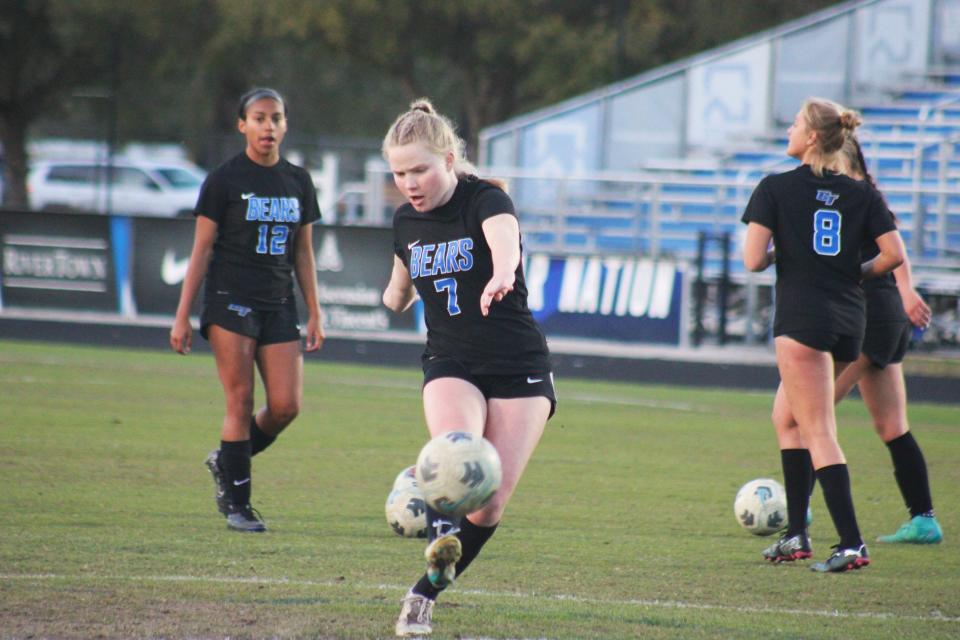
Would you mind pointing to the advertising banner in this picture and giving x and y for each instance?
(58, 261)
(606, 297)
(160, 256)
(353, 266)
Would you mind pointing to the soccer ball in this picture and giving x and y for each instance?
(458, 473)
(407, 512)
(407, 479)
(761, 506)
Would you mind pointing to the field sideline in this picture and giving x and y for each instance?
(622, 527)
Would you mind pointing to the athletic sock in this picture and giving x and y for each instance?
(235, 463)
(472, 538)
(835, 480)
(798, 481)
(258, 439)
(910, 470)
(439, 525)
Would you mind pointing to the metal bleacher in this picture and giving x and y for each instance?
(912, 147)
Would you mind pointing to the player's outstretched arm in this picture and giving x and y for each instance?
(502, 233)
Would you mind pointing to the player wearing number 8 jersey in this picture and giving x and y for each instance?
(252, 235)
(818, 219)
(486, 365)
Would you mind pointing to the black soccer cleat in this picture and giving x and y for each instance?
(213, 464)
(244, 518)
(789, 548)
(843, 560)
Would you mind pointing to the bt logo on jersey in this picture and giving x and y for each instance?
(827, 197)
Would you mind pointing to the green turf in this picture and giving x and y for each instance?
(622, 527)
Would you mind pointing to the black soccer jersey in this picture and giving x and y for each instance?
(449, 261)
(884, 304)
(819, 225)
(258, 211)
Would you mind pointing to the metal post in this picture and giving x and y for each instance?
(699, 290)
(722, 297)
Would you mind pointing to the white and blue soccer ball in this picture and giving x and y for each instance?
(458, 473)
(406, 511)
(406, 479)
(761, 506)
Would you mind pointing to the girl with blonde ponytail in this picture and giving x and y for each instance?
(818, 219)
(486, 365)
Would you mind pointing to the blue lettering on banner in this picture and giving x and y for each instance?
(636, 300)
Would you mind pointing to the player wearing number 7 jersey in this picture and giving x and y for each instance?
(818, 219)
(486, 365)
(253, 232)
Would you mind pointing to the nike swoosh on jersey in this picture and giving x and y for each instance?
(534, 380)
(237, 483)
(412, 244)
(173, 271)
(247, 196)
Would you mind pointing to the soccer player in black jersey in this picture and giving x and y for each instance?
(486, 364)
(818, 219)
(893, 309)
(252, 234)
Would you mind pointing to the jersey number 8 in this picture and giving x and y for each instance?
(826, 232)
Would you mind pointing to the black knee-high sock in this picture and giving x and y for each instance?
(439, 524)
(798, 479)
(835, 480)
(258, 439)
(235, 463)
(472, 538)
(910, 470)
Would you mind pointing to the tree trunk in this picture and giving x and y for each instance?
(13, 137)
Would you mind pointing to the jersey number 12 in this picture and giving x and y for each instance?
(272, 241)
(826, 232)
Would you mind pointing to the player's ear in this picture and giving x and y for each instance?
(448, 161)
(241, 125)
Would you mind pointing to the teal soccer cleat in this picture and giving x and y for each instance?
(918, 530)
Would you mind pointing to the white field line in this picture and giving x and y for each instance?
(935, 616)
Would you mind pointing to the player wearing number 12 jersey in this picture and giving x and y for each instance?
(252, 235)
(818, 219)
(486, 365)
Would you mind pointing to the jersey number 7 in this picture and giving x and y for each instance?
(450, 286)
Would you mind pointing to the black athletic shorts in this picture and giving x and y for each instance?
(266, 326)
(843, 348)
(887, 343)
(493, 386)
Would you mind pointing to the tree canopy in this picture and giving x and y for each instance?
(172, 70)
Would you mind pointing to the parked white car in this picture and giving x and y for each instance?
(138, 187)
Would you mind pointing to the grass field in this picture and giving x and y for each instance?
(623, 526)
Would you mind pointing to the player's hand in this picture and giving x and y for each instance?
(181, 336)
(315, 335)
(917, 310)
(496, 289)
